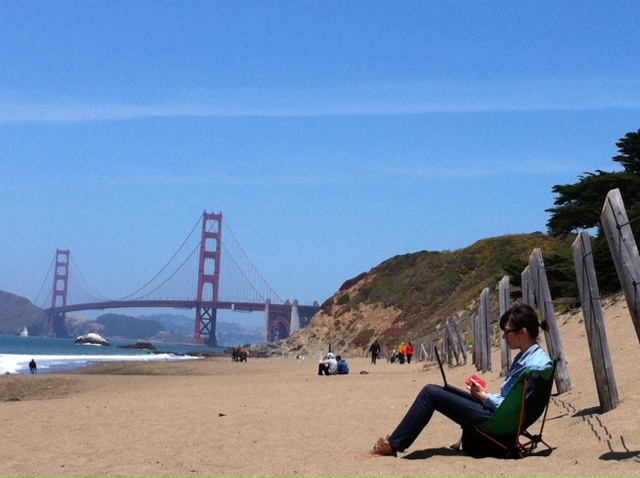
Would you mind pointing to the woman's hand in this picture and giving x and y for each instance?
(477, 390)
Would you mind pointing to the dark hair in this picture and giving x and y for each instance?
(523, 316)
(338, 358)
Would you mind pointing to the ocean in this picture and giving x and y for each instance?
(57, 355)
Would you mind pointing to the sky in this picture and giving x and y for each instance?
(332, 135)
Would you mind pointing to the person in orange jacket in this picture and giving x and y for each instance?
(402, 352)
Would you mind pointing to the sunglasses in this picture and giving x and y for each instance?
(508, 331)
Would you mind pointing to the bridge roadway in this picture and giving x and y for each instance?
(175, 304)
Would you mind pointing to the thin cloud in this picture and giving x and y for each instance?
(144, 177)
(482, 168)
(364, 99)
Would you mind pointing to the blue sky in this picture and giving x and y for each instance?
(332, 135)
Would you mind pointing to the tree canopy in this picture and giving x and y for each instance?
(629, 148)
(578, 206)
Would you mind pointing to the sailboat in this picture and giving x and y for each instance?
(24, 332)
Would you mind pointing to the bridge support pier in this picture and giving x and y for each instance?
(208, 318)
(286, 319)
(294, 323)
(58, 325)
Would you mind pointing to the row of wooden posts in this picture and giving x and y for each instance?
(535, 292)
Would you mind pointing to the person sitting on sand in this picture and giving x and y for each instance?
(328, 365)
(343, 366)
(520, 329)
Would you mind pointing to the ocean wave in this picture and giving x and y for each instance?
(19, 364)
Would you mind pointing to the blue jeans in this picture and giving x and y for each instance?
(465, 412)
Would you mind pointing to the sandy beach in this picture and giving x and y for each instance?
(276, 417)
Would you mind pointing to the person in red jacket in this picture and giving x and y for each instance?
(409, 352)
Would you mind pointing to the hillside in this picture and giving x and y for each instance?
(16, 312)
(409, 297)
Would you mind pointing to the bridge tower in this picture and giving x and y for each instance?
(57, 326)
(208, 279)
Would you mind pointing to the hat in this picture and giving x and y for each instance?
(330, 355)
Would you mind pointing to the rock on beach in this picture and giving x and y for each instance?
(92, 339)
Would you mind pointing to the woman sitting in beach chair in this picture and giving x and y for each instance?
(520, 328)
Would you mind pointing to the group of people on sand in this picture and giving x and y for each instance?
(239, 354)
(403, 353)
(333, 365)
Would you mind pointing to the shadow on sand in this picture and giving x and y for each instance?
(429, 452)
(446, 451)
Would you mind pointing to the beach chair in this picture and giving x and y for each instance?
(505, 434)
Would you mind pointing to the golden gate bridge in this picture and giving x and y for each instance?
(206, 274)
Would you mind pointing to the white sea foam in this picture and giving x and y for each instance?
(16, 363)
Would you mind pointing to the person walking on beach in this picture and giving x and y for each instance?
(33, 368)
(520, 329)
(375, 350)
(409, 352)
(402, 351)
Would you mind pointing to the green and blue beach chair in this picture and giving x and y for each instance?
(505, 434)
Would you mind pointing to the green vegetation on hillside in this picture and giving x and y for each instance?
(430, 287)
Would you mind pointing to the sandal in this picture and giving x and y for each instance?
(383, 448)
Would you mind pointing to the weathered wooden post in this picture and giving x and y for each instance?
(594, 322)
(461, 343)
(545, 305)
(624, 252)
(505, 304)
(528, 296)
(485, 327)
(475, 355)
(445, 349)
(423, 353)
(449, 338)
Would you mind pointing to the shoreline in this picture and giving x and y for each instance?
(60, 355)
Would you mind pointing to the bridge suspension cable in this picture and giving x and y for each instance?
(265, 291)
(167, 279)
(167, 265)
(44, 281)
(72, 276)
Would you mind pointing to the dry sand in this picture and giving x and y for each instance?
(276, 417)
